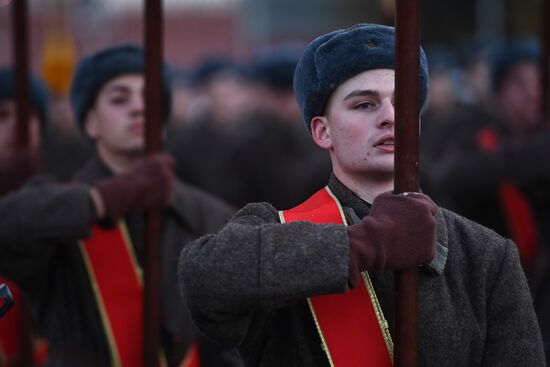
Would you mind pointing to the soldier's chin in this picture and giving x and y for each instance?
(384, 172)
(136, 148)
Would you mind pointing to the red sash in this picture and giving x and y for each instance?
(520, 221)
(516, 209)
(117, 281)
(192, 358)
(15, 332)
(351, 325)
(10, 336)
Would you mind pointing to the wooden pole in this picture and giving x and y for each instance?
(21, 80)
(545, 28)
(21, 62)
(407, 111)
(153, 219)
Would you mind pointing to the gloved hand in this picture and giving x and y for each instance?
(398, 233)
(146, 185)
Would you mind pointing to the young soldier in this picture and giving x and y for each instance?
(312, 286)
(16, 166)
(87, 295)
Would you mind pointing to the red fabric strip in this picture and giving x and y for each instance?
(192, 358)
(347, 321)
(520, 221)
(10, 336)
(120, 292)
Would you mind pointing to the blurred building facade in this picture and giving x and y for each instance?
(234, 27)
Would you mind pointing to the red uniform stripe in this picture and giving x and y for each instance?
(119, 293)
(520, 221)
(192, 359)
(347, 322)
(10, 332)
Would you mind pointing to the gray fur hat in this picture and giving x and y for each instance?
(274, 66)
(38, 92)
(97, 69)
(510, 54)
(333, 58)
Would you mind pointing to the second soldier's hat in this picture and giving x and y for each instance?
(39, 95)
(97, 69)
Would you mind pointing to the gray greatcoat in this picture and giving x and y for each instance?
(40, 226)
(246, 286)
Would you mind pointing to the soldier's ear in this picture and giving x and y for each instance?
(320, 131)
(91, 125)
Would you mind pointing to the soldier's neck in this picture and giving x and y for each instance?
(118, 163)
(366, 187)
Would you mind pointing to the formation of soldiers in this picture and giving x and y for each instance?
(268, 285)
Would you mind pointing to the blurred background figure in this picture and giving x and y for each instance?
(221, 99)
(17, 165)
(495, 169)
(443, 85)
(441, 109)
(476, 72)
(272, 158)
(222, 92)
(183, 94)
(64, 150)
(516, 79)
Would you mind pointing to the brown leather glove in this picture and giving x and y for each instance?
(398, 233)
(146, 185)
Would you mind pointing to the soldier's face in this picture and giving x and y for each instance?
(358, 126)
(8, 128)
(520, 96)
(117, 120)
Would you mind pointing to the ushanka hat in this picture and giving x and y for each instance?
(99, 68)
(333, 58)
(511, 54)
(274, 66)
(38, 93)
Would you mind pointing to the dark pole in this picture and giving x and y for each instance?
(21, 65)
(21, 61)
(546, 61)
(407, 111)
(153, 119)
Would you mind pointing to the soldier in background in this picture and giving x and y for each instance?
(495, 167)
(200, 145)
(17, 164)
(270, 144)
(76, 250)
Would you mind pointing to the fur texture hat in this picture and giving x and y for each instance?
(99, 68)
(37, 90)
(333, 58)
(274, 66)
(511, 54)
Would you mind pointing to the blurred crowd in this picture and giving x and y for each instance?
(484, 148)
(236, 130)
(237, 133)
